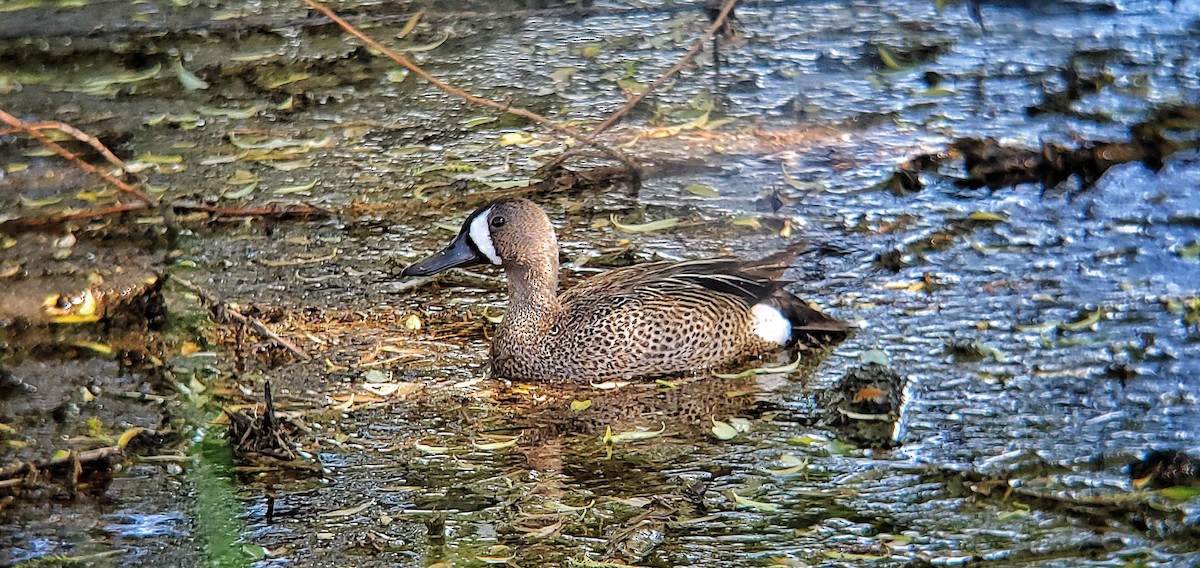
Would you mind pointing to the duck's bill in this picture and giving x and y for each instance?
(459, 253)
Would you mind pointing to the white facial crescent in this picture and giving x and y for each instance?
(482, 237)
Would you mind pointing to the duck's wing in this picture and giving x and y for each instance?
(706, 280)
(748, 281)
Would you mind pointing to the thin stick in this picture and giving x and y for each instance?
(504, 107)
(71, 457)
(718, 23)
(722, 17)
(32, 222)
(82, 137)
(268, 211)
(22, 126)
(222, 312)
(214, 210)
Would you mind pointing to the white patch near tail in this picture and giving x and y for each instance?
(770, 324)
(482, 236)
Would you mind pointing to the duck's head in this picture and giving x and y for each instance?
(508, 232)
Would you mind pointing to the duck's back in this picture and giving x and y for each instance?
(657, 319)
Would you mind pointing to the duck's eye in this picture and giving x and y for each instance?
(498, 221)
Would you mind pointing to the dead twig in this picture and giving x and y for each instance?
(275, 211)
(82, 137)
(8, 474)
(144, 201)
(504, 106)
(718, 23)
(34, 222)
(225, 314)
(270, 211)
(262, 433)
(34, 130)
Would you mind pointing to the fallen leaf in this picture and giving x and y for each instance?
(757, 505)
(410, 25)
(188, 79)
(639, 434)
(515, 139)
(428, 449)
(128, 436)
(785, 369)
(499, 445)
(701, 190)
(869, 393)
(425, 47)
(723, 430)
(649, 227)
(349, 511)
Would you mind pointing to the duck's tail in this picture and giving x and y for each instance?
(805, 320)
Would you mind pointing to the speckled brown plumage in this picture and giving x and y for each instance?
(658, 318)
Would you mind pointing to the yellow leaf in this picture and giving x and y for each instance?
(491, 318)
(888, 60)
(639, 434)
(758, 505)
(188, 79)
(73, 318)
(937, 92)
(500, 445)
(515, 139)
(39, 203)
(231, 112)
(243, 192)
(425, 47)
(102, 85)
(95, 346)
(988, 217)
(16, 5)
(410, 25)
(722, 430)
(644, 227)
(746, 222)
(253, 56)
(786, 369)
(159, 158)
(478, 121)
(427, 449)
(293, 78)
(128, 436)
(295, 188)
(701, 190)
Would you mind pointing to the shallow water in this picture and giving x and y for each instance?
(1058, 408)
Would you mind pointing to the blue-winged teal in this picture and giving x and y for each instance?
(657, 318)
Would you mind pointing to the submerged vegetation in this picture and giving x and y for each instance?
(208, 355)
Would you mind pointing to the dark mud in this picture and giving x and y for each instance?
(1021, 342)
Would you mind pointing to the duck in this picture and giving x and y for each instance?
(646, 320)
